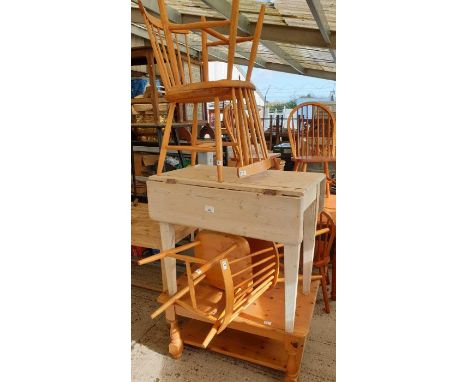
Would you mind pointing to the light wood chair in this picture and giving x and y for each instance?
(233, 134)
(312, 134)
(234, 272)
(181, 88)
(324, 237)
(228, 120)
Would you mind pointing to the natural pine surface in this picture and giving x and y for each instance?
(151, 361)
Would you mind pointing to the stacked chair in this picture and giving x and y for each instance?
(249, 140)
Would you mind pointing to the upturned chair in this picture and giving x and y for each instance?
(324, 237)
(233, 134)
(233, 272)
(312, 135)
(181, 88)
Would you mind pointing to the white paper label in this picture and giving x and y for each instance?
(198, 271)
(209, 209)
(242, 173)
(219, 163)
(224, 264)
(267, 323)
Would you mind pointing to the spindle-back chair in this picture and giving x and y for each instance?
(324, 237)
(312, 135)
(235, 272)
(181, 89)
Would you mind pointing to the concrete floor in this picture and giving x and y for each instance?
(151, 361)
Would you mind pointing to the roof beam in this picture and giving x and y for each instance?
(307, 71)
(152, 6)
(213, 55)
(218, 55)
(272, 32)
(321, 20)
(223, 7)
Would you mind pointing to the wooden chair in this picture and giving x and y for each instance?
(234, 272)
(228, 119)
(312, 134)
(181, 89)
(324, 237)
(233, 134)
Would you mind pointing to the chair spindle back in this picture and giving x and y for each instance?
(164, 38)
(311, 129)
(241, 269)
(167, 47)
(325, 234)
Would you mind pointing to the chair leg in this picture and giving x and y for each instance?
(324, 289)
(296, 166)
(193, 155)
(166, 137)
(304, 167)
(333, 293)
(219, 141)
(327, 174)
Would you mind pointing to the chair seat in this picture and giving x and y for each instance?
(206, 91)
(314, 159)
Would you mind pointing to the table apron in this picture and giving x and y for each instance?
(277, 218)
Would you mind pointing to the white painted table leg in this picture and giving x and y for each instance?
(168, 265)
(310, 222)
(291, 277)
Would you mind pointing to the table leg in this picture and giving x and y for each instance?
(294, 348)
(170, 283)
(291, 277)
(310, 222)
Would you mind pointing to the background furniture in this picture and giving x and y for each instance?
(324, 238)
(275, 131)
(145, 231)
(312, 134)
(149, 109)
(330, 208)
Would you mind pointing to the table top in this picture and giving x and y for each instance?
(286, 183)
(145, 232)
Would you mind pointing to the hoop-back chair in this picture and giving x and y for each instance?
(181, 88)
(233, 272)
(312, 134)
